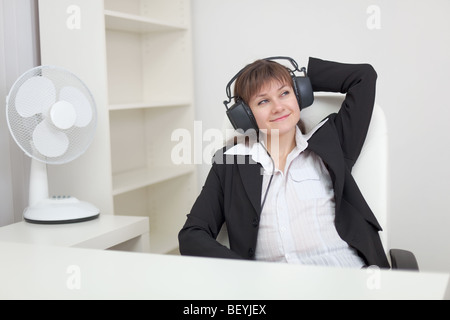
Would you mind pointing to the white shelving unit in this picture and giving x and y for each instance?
(144, 91)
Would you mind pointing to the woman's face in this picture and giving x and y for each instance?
(275, 107)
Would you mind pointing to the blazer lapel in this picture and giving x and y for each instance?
(327, 146)
(252, 178)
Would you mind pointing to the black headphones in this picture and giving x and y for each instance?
(240, 114)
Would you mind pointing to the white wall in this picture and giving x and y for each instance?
(6, 210)
(411, 53)
(18, 53)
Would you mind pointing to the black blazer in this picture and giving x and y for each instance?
(232, 191)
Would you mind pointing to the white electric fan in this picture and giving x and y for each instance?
(52, 117)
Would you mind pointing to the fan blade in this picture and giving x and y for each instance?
(81, 104)
(63, 115)
(49, 141)
(36, 95)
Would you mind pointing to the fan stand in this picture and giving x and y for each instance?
(56, 210)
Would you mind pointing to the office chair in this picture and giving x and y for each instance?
(370, 171)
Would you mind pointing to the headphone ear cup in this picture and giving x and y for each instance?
(304, 91)
(241, 117)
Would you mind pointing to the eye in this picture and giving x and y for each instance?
(263, 102)
(285, 93)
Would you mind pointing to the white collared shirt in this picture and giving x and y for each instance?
(297, 221)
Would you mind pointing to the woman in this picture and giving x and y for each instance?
(308, 210)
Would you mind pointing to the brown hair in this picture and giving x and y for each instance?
(256, 75)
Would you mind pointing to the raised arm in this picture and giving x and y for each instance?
(358, 82)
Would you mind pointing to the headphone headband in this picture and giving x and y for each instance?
(292, 61)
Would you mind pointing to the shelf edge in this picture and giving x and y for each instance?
(148, 181)
(148, 105)
(144, 21)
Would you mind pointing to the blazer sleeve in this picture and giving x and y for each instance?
(358, 82)
(204, 222)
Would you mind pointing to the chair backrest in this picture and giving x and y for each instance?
(371, 169)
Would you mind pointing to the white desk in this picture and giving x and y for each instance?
(106, 232)
(43, 272)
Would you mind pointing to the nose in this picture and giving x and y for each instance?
(277, 106)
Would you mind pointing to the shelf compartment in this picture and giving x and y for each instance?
(166, 204)
(147, 68)
(143, 138)
(120, 21)
(142, 178)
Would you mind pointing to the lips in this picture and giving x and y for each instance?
(281, 118)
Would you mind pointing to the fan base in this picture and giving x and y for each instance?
(61, 211)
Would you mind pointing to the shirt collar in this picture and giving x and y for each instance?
(258, 151)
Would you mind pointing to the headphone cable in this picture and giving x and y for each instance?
(271, 177)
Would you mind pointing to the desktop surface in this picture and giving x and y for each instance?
(49, 272)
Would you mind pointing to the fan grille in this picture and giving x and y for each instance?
(29, 107)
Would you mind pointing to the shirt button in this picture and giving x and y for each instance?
(251, 253)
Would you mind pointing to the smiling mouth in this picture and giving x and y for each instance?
(281, 118)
